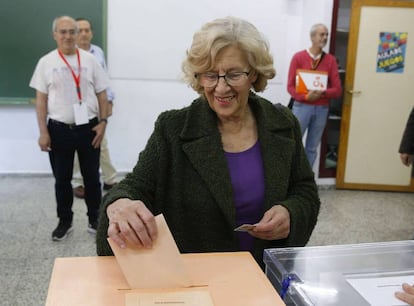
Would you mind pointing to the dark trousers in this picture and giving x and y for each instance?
(65, 140)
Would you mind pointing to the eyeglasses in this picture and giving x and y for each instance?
(210, 79)
(64, 32)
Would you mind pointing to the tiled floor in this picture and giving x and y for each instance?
(28, 215)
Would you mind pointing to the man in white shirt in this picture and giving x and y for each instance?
(71, 107)
(83, 41)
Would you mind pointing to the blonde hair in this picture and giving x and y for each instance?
(219, 34)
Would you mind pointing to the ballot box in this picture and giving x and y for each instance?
(353, 274)
(229, 278)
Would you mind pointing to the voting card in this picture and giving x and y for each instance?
(244, 228)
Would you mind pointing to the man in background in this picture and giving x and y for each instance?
(83, 41)
(312, 107)
(71, 107)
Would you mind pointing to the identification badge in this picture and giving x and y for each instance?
(81, 113)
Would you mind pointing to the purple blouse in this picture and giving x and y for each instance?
(247, 178)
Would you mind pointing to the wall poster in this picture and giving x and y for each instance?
(391, 52)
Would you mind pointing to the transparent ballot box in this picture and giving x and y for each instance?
(341, 275)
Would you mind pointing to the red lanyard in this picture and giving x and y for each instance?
(76, 78)
(315, 63)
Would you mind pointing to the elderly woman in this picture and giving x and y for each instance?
(230, 158)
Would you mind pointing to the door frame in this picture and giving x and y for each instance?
(328, 172)
(347, 104)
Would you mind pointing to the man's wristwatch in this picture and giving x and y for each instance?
(103, 120)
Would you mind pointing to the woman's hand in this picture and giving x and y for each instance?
(407, 295)
(275, 224)
(131, 221)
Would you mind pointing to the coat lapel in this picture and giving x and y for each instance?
(277, 146)
(276, 153)
(203, 147)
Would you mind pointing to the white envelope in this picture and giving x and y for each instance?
(159, 267)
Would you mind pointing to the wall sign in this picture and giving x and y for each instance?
(391, 52)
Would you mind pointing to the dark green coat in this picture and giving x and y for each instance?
(407, 141)
(182, 173)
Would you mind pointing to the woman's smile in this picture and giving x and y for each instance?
(224, 100)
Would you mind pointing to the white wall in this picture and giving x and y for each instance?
(146, 45)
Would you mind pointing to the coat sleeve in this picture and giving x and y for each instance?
(407, 141)
(140, 184)
(302, 199)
